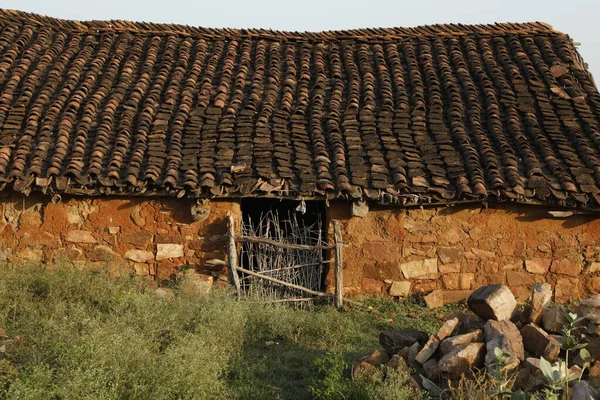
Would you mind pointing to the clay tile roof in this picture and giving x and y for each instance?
(434, 114)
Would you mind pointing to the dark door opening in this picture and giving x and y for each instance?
(283, 221)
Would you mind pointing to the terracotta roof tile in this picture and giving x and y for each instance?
(432, 114)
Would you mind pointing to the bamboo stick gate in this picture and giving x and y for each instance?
(235, 269)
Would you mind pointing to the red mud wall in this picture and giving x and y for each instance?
(458, 249)
(142, 235)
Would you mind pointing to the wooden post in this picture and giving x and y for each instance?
(232, 254)
(339, 279)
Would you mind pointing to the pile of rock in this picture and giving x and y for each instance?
(467, 343)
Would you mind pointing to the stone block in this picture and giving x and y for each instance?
(544, 248)
(566, 289)
(455, 296)
(378, 251)
(139, 256)
(434, 341)
(465, 280)
(394, 341)
(483, 254)
(427, 350)
(413, 351)
(449, 268)
(429, 238)
(505, 336)
(73, 216)
(420, 269)
(538, 265)
(360, 209)
(31, 255)
(455, 235)
(422, 287)
(137, 218)
(449, 343)
(49, 241)
(138, 239)
(197, 283)
(79, 236)
(431, 369)
(376, 358)
(540, 298)
(566, 267)
(582, 390)
(507, 249)
(400, 289)
(450, 254)
(469, 322)
(5, 253)
(485, 279)
(515, 265)
(451, 281)
(462, 359)
(493, 302)
(592, 267)
(382, 270)
(100, 253)
(435, 299)
(166, 251)
(371, 286)
(71, 253)
(522, 293)
(447, 328)
(594, 348)
(553, 319)
(519, 278)
(476, 234)
(539, 343)
(141, 269)
(590, 309)
(30, 218)
(195, 244)
(169, 239)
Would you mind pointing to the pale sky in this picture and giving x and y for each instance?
(579, 18)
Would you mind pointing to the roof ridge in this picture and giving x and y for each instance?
(434, 30)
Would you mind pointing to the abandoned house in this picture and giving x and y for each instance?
(453, 156)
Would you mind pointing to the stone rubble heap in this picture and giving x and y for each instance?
(466, 344)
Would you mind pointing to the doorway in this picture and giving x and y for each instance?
(284, 222)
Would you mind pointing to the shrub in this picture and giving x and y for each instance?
(89, 337)
(85, 335)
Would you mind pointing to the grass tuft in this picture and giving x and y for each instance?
(84, 335)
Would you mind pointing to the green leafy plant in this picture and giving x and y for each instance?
(332, 384)
(502, 384)
(568, 342)
(498, 377)
(387, 383)
(587, 359)
(557, 378)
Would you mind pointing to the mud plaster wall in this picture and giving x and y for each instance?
(458, 249)
(155, 237)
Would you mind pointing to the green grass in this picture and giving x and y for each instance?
(83, 335)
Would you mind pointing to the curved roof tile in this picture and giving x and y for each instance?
(433, 114)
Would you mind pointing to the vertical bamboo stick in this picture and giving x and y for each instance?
(232, 254)
(337, 236)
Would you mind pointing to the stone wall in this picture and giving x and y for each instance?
(390, 251)
(148, 236)
(458, 249)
